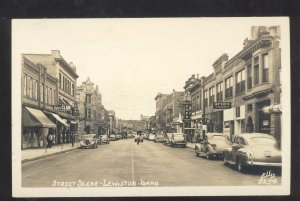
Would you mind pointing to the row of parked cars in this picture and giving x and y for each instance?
(243, 151)
(171, 139)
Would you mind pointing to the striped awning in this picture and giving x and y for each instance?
(36, 118)
(60, 120)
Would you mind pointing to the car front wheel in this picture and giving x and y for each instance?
(224, 160)
(208, 156)
(239, 165)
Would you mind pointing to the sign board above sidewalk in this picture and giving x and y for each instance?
(221, 105)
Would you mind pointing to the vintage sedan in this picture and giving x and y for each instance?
(103, 139)
(88, 141)
(159, 137)
(178, 139)
(253, 149)
(151, 137)
(113, 137)
(212, 145)
(167, 138)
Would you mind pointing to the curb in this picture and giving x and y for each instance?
(46, 155)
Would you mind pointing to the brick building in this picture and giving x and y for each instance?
(62, 94)
(89, 103)
(250, 81)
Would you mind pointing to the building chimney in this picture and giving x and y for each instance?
(55, 53)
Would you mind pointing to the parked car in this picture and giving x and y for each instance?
(178, 139)
(88, 141)
(167, 138)
(151, 137)
(253, 149)
(112, 137)
(159, 137)
(103, 139)
(213, 144)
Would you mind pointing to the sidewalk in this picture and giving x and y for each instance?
(37, 153)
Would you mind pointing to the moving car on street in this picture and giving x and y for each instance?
(213, 144)
(253, 149)
(159, 137)
(103, 139)
(151, 137)
(178, 139)
(88, 141)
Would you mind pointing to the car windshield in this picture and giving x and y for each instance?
(262, 140)
(91, 136)
(178, 136)
(218, 137)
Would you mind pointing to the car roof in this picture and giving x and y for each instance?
(250, 135)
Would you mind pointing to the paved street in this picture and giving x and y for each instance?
(124, 161)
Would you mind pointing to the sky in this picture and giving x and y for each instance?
(131, 60)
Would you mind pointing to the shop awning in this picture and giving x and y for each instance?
(36, 118)
(60, 120)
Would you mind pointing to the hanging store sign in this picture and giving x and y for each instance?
(222, 105)
(62, 108)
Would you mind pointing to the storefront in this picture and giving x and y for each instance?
(215, 122)
(36, 126)
(62, 128)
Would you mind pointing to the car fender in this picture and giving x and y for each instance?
(242, 155)
(227, 153)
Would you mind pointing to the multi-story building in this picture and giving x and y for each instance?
(62, 99)
(171, 112)
(38, 96)
(146, 120)
(131, 125)
(159, 110)
(89, 103)
(193, 106)
(112, 121)
(250, 82)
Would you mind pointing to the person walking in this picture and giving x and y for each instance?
(49, 140)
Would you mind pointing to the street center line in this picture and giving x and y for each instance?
(132, 164)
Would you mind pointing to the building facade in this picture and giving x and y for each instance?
(35, 124)
(172, 121)
(249, 82)
(62, 99)
(159, 99)
(89, 103)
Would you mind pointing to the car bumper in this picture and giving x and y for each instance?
(253, 163)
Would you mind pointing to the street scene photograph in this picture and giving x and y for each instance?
(153, 106)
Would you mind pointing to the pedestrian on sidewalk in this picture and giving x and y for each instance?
(49, 140)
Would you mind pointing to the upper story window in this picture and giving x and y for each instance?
(198, 103)
(205, 99)
(229, 87)
(60, 84)
(72, 92)
(25, 85)
(265, 66)
(88, 98)
(42, 92)
(193, 104)
(256, 71)
(211, 95)
(249, 76)
(219, 92)
(240, 82)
